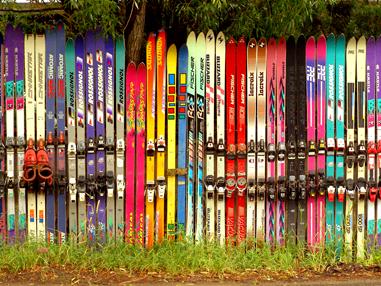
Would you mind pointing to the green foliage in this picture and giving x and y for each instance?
(171, 258)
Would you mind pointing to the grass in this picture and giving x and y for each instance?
(172, 258)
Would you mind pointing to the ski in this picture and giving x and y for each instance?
(361, 148)
(378, 120)
(271, 145)
(191, 133)
(171, 140)
(331, 145)
(321, 131)
(109, 65)
(81, 142)
(140, 98)
(90, 137)
(281, 149)
(51, 89)
(339, 172)
(30, 98)
(261, 140)
(350, 150)
(220, 132)
(9, 136)
(230, 140)
(371, 146)
(291, 139)
(311, 138)
(71, 139)
(42, 93)
(3, 226)
(301, 138)
(130, 152)
(241, 139)
(100, 176)
(210, 143)
(20, 129)
(120, 88)
(161, 48)
(251, 138)
(200, 131)
(150, 147)
(61, 139)
(182, 78)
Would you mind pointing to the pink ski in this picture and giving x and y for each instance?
(321, 95)
(140, 95)
(311, 138)
(281, 133)
(131, 89)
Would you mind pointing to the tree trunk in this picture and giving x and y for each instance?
(136, 37)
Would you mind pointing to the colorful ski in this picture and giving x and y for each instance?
(140, 98)
(191, 133)
(321, 131)
(271, 143)
(150, 148)
(42, 118)
(200, 131)
(220, 128)
(371, 148)
(241, 139)
(120, 88)
(311, 138)
(90, 136)
(20, 129)
(350, 150)
(171, 140)
(61, 135)
(71, 146)
(181, 139)
(130, 152)
(161, 48)
(230, 141)
(339, 172)
(81, 142)
(9, 136)
(110, 137)
(210, 144)
(281, 134)
(100, 176)
(261, 140)
(251, 137)
(51, 89)
(361, 148)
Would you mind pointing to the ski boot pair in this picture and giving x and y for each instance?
(36, 164)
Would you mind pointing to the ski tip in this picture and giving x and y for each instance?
(272, 42)
(210, 35)
(191, 39)
(252, 43)
(142, 67)
(231, 40)
(282, 41)
(220, 37)
(262, 42)
(371, 40)
(183, 50)
(172, 49)
(201, 37)
(131, 65)
(341, 37)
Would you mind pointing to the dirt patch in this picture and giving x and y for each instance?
(352, 274)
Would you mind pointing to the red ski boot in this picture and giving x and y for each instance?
(30, 163)
(44, 171)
